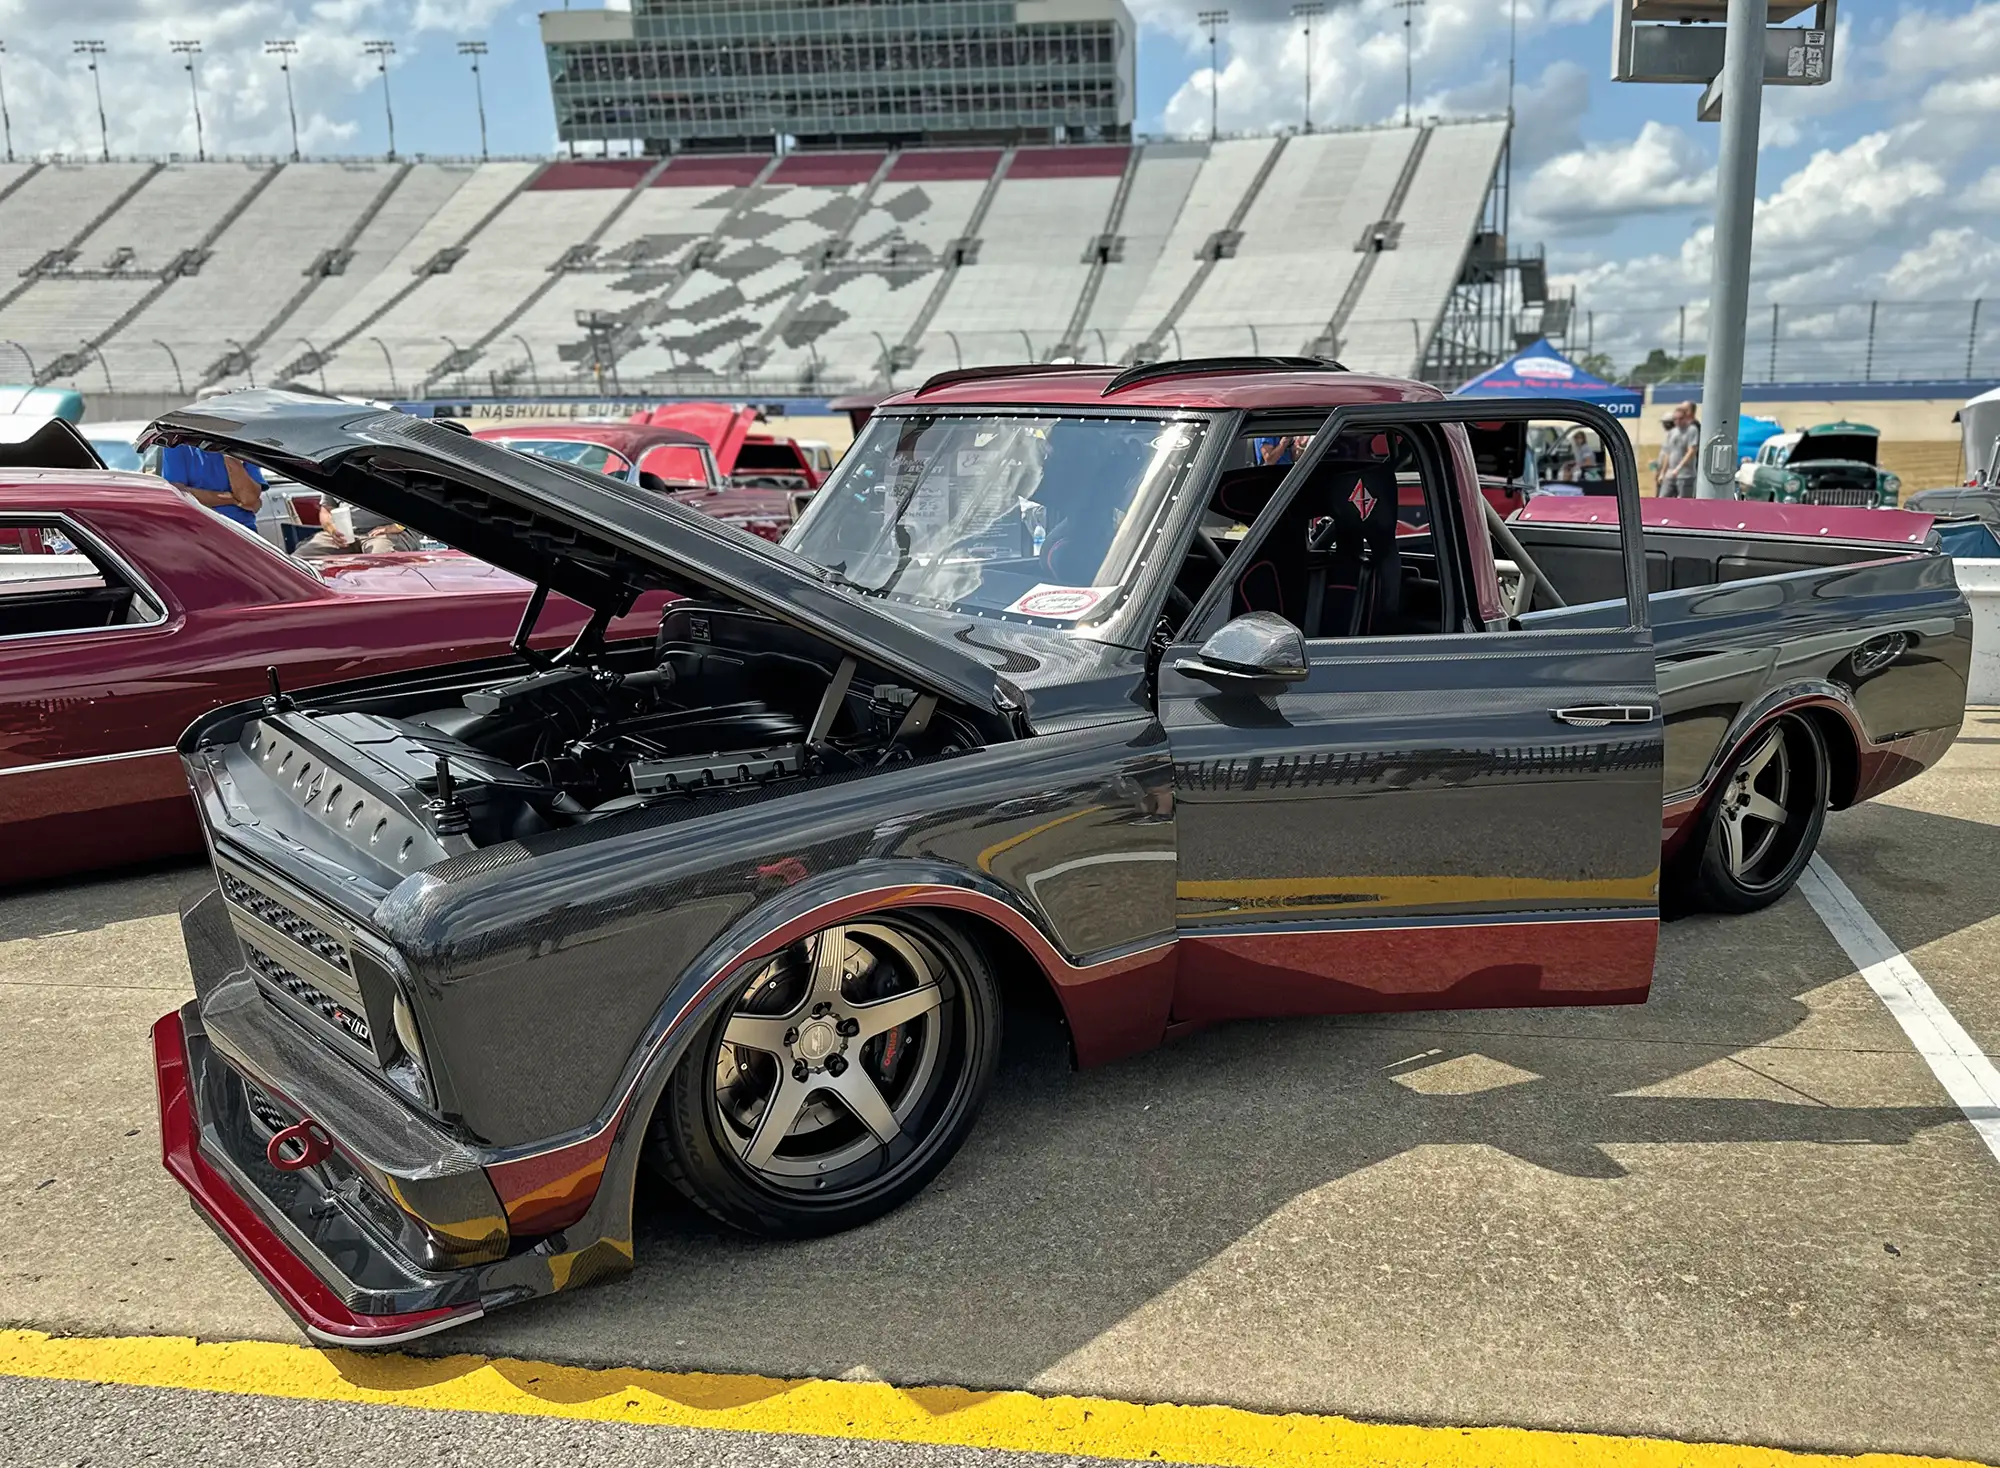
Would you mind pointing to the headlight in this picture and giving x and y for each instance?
(406, 1030)
(1892, 485)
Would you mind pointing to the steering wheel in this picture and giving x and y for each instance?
(1180, 601)
(1211, 545)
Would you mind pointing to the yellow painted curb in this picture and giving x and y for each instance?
(947, 1416)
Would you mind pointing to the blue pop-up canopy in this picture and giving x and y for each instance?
(1540, 371)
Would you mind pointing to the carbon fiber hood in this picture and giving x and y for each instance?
(596, 540)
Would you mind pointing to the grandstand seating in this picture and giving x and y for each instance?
(748, 272)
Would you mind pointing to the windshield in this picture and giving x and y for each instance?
(1037, 517)
(593, 456)
(117, 453)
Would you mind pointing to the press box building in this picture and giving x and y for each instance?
(738, 75)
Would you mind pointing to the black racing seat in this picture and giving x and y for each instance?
(1279, 578)
(1363, 574)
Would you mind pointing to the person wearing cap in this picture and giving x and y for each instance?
(1677, 455)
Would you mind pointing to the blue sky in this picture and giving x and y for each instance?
(1884, 184)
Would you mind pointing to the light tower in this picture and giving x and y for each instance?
(475, 50)
(95, 49)
(382, 51)
(285, 51)
(1409, 9)
(6, 121)
(1305, 11)
(1215, 20)
(188, 51)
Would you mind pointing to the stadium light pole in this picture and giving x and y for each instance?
(95, 49)
(285, 51)
(1305, 11)
(1409, 9)
(1742, 83)
(6, 120)
(1214, 20)
(477, 49)
(189, 50)
(382, 51)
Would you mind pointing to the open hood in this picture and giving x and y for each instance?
(595, 540)
(722, 424)
(1850, 443)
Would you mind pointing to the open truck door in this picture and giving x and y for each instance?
(1389, 794)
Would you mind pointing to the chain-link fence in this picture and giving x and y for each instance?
(1849, 341)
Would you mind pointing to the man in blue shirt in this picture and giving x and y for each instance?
(226, 485)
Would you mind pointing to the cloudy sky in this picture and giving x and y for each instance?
(1884, 185)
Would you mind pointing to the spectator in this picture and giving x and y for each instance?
(1584, 462)
(227, 485)
(366, 533)
(1678, 454)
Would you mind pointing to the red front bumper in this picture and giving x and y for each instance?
(308, 1298)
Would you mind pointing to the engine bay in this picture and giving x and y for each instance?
(727, 701)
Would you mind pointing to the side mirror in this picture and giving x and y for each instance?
(1257, 653)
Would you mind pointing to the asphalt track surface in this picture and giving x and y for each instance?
(1745, 1213)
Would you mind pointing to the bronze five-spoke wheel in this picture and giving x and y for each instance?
(1763, 819)
(845, 1074)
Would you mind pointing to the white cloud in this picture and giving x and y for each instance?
(146, 102)
(1457, 55)
(1662, 170)
(1951, 264)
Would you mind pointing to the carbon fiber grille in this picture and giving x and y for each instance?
(274, 914)
(264, 1109)
(350, 1025)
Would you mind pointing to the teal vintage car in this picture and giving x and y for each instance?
(1832, 464)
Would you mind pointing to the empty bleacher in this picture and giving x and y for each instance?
(810, 271)
(1407, 287)
(1015, 299)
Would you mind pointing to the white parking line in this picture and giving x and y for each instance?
(1968, 1077)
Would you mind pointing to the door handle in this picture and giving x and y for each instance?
(1597, 715)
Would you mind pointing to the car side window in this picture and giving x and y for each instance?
(53, 580)
(1354, 552)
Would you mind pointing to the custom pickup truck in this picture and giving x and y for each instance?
(1057, 682)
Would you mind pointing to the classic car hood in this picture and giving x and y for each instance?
(723, 425)
(1849, 442)
(595, 540)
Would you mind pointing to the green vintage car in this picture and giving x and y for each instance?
(1833, 464)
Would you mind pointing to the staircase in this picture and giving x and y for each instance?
(69, 251)
(436, 265)
(315, 273)
(1220, 246)
(905, 351)
(1104, 246)
(1372, 244)
(69, 364)
(459, 361)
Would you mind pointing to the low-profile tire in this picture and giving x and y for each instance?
(1763, 819)
(839, 1080)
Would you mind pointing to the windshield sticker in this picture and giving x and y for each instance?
(1060, 603)
(930, 506)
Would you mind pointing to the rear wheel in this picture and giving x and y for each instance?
(1763, 820)
(845, 1074)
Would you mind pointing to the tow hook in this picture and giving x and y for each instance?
(299, 1146)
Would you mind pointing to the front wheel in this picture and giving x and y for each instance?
(1763, 820)
(841, 1079)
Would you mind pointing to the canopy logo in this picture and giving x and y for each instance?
(1549, 367)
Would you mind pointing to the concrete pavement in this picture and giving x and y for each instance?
(1743, 1212)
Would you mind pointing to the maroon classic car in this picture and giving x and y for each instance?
(1058, 683)
(127, 610)
(669, 461)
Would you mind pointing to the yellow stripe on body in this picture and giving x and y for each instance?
(1359, 894)
(946, 1416)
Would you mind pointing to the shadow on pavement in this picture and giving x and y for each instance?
(78, 904)
(1083, 1196)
